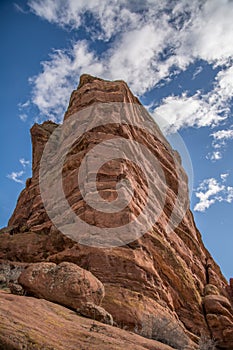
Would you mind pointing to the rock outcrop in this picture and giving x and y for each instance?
(164, 277)
(29, 323)
(95, 312)
(66, 284)
(219, 316)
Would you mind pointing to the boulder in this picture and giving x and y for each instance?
(66, 284)
(95, 312)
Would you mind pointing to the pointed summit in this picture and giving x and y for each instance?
(92, 89)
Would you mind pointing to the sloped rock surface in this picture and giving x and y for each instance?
(30, 323)
(66, 284)
(95, 312)
(161, 275)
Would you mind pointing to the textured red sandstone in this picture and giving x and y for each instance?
(32, 324)
(95, 312)
(219, 315)
(161, 275)
(66, 284)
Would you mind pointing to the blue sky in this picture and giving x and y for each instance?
(176, 56)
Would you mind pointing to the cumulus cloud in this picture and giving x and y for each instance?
(211, 191)
(52, 87)
(150, 42)
(187, 111)
(200, 110)
(134, 58)
(209, 35)
(16, 176)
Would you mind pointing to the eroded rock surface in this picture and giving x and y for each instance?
(95, 312)
(66, 284)
(29, 323)
(219, 316)
(163, 274)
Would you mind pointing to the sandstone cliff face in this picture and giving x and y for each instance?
(162, 278)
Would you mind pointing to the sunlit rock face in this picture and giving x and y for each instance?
(165, 276)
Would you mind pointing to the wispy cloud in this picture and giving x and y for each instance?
(211, 191)
(197, 72)
(16, 176)
(51, 89)
(219, 143)
(23, 117)
(24, 162)
(24, 104)
(224, 177)
(24, 108)
(112, 16)
(19, 8)
(223, 135)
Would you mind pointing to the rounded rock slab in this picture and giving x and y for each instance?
(66, 284)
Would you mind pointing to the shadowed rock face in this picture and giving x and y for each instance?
(162, 277)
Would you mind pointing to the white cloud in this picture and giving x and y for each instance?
(215, 155)
(223, 134)
(15, 176)
(224, 176)
(200, 110)
(229, 197)
(111, 15)
(24, 162)
(220, 139)
(225, 83)
(47, 9)
(23, 117)
(52, 88)
(134, 58)
(187, 111)
(24, 105)
(211, 191)
(19, 8)
(150, 41)
(197, 72)
(209, 37)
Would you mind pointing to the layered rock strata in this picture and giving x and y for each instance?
(162, 277)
